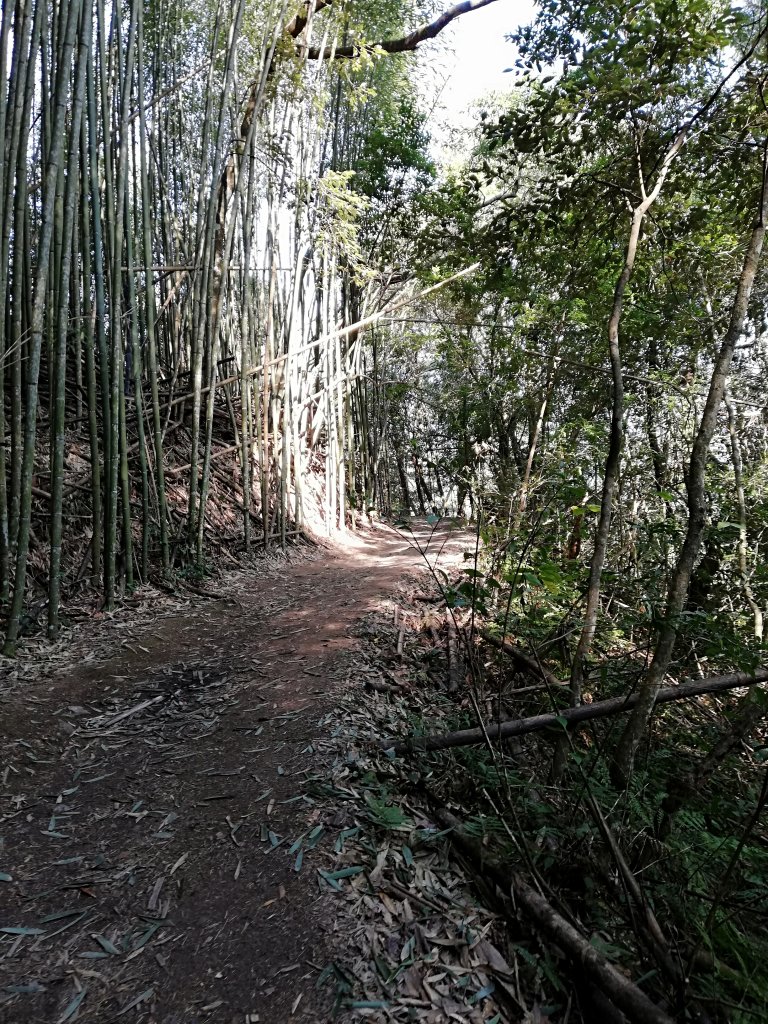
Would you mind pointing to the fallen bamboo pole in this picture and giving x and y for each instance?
(571, 716)
(340, 332)
(621, 992)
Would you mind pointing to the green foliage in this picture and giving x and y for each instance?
(688, 877)
(392, 161)
(379, 135)
(386, 815)
(195, 572)
(503, 382)
(340, 210)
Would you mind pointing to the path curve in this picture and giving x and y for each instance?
(148, 804)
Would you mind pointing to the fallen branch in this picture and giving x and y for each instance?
(524, 660)
(572, 716)
(218, 454)
(377, 687)
(625, 995)
(214, 595)
(142, 706)
(400, 639)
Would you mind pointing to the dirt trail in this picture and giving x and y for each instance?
(148, 805)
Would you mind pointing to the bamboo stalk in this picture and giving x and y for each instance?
(572, 715)
(90, 365)
(60, 355)
(69, 10)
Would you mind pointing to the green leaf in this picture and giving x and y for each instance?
(60, 915)
(147, 935)
(73, 1007)
(331, 881)
(106, 945)
(345, 872)
(140, 998)
(483, 993)
(550, 576)
(389, 817)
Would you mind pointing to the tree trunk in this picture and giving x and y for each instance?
(738, 479)
(697, 505)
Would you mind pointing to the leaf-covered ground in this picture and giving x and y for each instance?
(176, 834)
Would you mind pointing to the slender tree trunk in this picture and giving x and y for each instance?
(526, 481)
(741, 549)
(616, 437)
(697, 505)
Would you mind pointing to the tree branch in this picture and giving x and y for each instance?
(402, 45)
(296, 25)
(622, 993)
(572, 716)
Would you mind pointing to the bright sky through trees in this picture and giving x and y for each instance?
(481, 53)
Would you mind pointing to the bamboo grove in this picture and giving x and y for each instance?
(179, 265)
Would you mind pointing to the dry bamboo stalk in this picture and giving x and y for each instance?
(622, 992)
(571, 716)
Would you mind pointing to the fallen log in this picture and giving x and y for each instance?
(572, 716)
(523, 660)
(621, 992)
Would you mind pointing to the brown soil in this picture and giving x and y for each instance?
(149, 804)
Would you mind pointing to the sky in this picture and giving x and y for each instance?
(480, 53)
(468, 63)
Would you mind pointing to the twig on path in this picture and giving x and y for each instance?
(133, 711)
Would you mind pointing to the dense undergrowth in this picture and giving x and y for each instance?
(669, 876)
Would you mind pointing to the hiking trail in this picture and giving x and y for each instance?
(148, 801)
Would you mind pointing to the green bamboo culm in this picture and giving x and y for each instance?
(70, 12)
